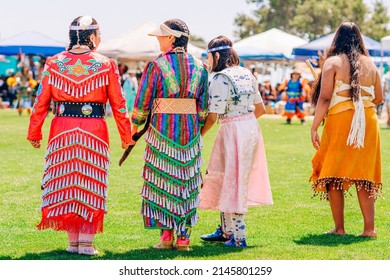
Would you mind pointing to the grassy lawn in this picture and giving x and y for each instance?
(291, 229)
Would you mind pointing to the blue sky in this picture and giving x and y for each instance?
(205, 18)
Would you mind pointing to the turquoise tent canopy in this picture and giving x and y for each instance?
(6, 63)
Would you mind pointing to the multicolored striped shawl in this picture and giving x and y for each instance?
(172, 172)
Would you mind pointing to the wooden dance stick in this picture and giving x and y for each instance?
(315, 74)
(135, 137)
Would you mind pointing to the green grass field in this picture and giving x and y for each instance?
(291, 229)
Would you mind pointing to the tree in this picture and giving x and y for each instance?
(316, 18)
(247, 26)
(376, 25)
(198, 41)
(268, 14)
(312, 18)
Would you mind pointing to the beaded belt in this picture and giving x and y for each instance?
(294, 93)
(174, 106)
(79, 109)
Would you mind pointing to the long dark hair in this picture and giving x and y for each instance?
(81, 37)
(227, 57)
(347, 40)
(179, 25)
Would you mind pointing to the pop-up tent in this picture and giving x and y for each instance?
(272, 40)
(133, 44)
(254, 53)
(385, 43)
(310, 50)
(385, 47)
(31, 42)
(257, 53)
(136, 45)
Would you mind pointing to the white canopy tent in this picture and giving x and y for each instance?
(385, 42)
(277, 41)
(274, 40)
(385, 45)
(136, 45)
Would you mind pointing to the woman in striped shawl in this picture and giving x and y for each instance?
(173, 89)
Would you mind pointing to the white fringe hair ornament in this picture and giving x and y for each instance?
(358, 126)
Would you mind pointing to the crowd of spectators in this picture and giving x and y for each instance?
(275, 96)
(18, 86)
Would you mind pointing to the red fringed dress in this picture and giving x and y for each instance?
(76, 162)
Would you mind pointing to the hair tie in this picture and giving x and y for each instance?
(219, 48)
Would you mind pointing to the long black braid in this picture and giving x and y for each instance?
(347, 40)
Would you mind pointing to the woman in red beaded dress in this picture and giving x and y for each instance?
(80, 82)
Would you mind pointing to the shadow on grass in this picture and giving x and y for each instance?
(204, 251)
(331, 239)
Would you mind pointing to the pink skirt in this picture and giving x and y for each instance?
(237, 174)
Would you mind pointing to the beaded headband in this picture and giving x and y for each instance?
(91, 27)
(85, 23)
(219, 48)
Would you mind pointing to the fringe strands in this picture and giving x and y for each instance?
(172, 177)
(78, 89)
(75, 177)
(320, 187)
(358, 126)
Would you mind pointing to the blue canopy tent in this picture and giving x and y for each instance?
(310, 50)
(31, 42)
(255, 53)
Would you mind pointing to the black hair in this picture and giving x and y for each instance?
(81, 37)
(347, 40)
(179, 25)
(227, 57)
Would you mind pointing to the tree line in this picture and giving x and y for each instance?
(312, 19)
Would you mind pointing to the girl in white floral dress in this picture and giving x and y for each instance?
(237, 175)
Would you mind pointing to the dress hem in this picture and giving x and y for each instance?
(320, 186)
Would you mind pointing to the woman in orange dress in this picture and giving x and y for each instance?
(349, 150)
(80, 82)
